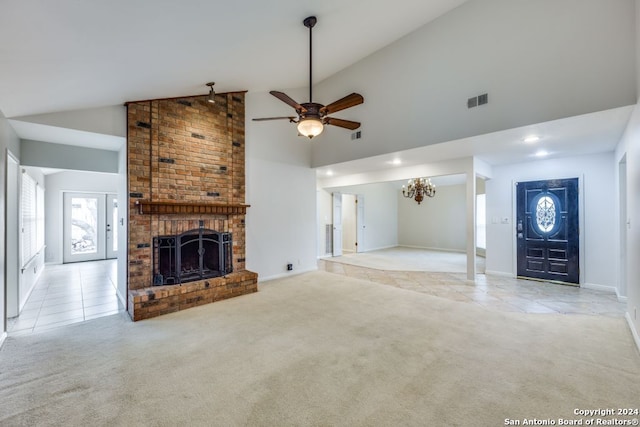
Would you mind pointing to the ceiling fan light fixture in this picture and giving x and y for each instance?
(310, 127)
(211, 98)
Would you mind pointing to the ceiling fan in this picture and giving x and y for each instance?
(313, 116)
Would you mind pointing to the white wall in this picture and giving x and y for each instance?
(281, 222)
(123, 226)
(630, 145)
(8, 140)
(597, 211)
(110, 120)
(436, 223)
(66, 181)
(416, 89)
(380, 214)
(60, 156)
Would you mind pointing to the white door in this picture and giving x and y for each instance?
(84, 227)
(112, 226)
(360, 223)
(337, 224)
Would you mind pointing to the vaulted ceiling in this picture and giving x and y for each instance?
(69, 54)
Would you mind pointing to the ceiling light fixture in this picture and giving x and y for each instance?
(310, 127)
(531, 139)
(212, 93)
(418, 188)
(312, 116)
(542, 153)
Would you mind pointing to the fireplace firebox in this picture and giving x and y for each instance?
(193, 255)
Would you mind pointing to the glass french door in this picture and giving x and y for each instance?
(89, 227)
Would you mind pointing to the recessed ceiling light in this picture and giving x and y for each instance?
(396, 162)
(531, 139)
(542, 153)
(329, 173)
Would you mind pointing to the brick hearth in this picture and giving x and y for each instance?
(186, 168)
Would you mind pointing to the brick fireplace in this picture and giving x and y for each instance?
(186, 172)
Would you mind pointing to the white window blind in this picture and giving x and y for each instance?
(39, 218)
(31, 217)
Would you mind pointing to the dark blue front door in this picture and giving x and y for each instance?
(547, 230)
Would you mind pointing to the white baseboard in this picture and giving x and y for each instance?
(603, 288)
(427, 248)
(122, 299)
(379, 248)
(634, 332)
(2, 338)
(498, 273)
(287, 274)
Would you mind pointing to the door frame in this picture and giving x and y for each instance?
(514, 214)
(101, 227)
(336, 220)
(111, 225)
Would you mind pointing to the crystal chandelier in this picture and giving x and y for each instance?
(417, 188)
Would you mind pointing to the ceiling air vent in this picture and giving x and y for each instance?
(356, 135)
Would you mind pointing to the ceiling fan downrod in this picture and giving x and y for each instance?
(310, 22)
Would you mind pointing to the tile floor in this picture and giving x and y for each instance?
(495, 292)
(69, 293)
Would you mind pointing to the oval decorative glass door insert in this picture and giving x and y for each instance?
(545, 214)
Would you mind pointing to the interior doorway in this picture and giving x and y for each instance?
(348, 223)
(89, 232)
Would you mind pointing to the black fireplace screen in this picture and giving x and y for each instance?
(193, 255)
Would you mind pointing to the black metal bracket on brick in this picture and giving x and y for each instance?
(143, 125)
(213, 194)
(166, 160)
(197, 136)
(236, 144)
(143, 245)
(241, 259)
(183, 102)
(136, 195)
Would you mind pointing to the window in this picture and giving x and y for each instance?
(31, 217)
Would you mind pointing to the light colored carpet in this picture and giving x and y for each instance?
(320, 350)
(401, 258)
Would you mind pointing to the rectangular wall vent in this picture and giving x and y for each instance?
(356, 135)
(478, 100)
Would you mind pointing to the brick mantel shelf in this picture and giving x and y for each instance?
(183, 208)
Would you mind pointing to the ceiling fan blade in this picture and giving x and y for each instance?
(347, 124)
(346, 102)
(290, 118)
(288, 100)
